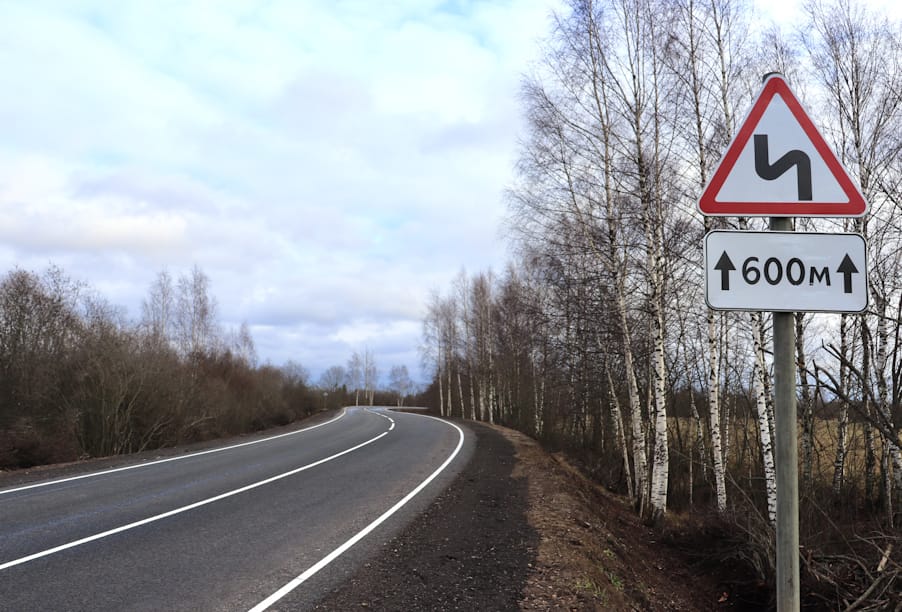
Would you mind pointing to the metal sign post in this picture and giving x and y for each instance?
(786, 433)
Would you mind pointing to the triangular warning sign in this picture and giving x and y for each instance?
(778, 165)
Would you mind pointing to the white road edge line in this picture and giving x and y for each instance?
(159, 461)
(384, 416)
(203, 502)
(299, 580)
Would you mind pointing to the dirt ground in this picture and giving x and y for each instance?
(594, 553)
(521, 529)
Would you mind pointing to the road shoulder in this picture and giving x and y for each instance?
(521, 529)
(472, 549)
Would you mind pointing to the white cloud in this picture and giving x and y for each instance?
(325, 163)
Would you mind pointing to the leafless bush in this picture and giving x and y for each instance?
(78, 379)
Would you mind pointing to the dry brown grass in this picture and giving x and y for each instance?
(594, 552)
(745, 454)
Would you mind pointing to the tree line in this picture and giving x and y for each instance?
(362, 375)
(79, 379)
(596, 336)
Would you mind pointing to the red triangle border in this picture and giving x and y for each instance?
(709, 205)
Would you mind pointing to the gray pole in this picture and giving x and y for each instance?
(786, 433)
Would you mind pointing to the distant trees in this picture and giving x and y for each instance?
(158, 310)
(343, 385)
(354, 373)
(399, 382)
(333, 378)
(39, 331)
(77, 378)
(440, 347)
(370, 376)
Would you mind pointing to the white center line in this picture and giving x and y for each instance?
(203, 502)
(384, 416)
(179, 458)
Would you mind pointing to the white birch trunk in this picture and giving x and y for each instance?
(890, 443)
(441, 396)
(472, 390)
(767, 451)
(870, 452)
(870, 444)
(481, 399)
(807, 401)
(450, 396)
(619, 434)
(640, 460)
(460, 393)
(698, 447)
(720, 484)
(839, 462)
(661, 450)
(661, 465)
(842, 426)
(491, 377)
(538, 407)
(729, 409)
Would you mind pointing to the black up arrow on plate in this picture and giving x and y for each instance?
(847, 269)
(726, 266)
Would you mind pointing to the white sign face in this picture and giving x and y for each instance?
(779, 165)
(777, 135)
(785, 271)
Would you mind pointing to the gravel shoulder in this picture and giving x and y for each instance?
(472, 549)
(521, 529)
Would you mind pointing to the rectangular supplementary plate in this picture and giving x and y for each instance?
(786, 271)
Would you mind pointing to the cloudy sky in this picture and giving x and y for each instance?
(326, 163)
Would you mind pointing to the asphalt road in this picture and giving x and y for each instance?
(271, 524)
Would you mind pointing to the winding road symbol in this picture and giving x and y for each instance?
(794, 159)
(755, 175)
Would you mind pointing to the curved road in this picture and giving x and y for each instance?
(269, 524)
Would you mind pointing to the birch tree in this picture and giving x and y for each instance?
(370, 376)
(642, 93)
(482, 325)
(158, 310)
(333, 378)
(706, 54)
(195, 322)
(855, 57)
(568, 181)
(399, 382)
(355, 372)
